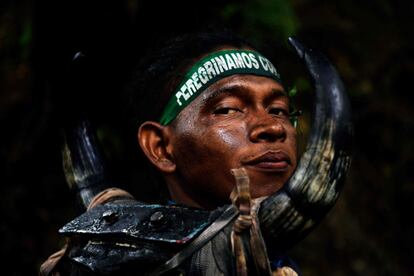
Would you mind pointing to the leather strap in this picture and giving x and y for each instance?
(225, 218)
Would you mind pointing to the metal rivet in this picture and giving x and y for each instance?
(157, 218)
(110, 216)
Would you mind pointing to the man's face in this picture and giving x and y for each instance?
(239, 121)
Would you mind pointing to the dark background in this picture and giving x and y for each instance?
(370, 229)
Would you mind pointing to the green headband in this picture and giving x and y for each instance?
(212, 68)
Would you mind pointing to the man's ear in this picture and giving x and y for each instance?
(154, 140)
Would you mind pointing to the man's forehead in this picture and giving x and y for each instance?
(243, 85)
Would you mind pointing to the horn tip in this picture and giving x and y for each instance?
(297, 45)
(78, 55)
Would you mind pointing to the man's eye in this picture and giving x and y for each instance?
(278, 112)
(226, 110)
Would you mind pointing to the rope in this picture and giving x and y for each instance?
(247, 226)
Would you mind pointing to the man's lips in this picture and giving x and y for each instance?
(277, 161)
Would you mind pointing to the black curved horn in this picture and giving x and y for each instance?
(83, 162)
(291, 213)
(83, 159)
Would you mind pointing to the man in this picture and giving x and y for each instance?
(215, 123)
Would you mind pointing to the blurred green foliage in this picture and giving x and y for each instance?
(273, 18)
(368, 232)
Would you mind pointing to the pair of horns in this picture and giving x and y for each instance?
(291, 213)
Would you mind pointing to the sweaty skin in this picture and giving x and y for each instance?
(241, 120)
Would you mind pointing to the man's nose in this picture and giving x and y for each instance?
(267, 130)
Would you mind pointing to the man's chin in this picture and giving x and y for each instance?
(267, 182)
(264, 190)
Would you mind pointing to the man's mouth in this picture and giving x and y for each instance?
(274, 161)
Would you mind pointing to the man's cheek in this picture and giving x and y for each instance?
(230, 139)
